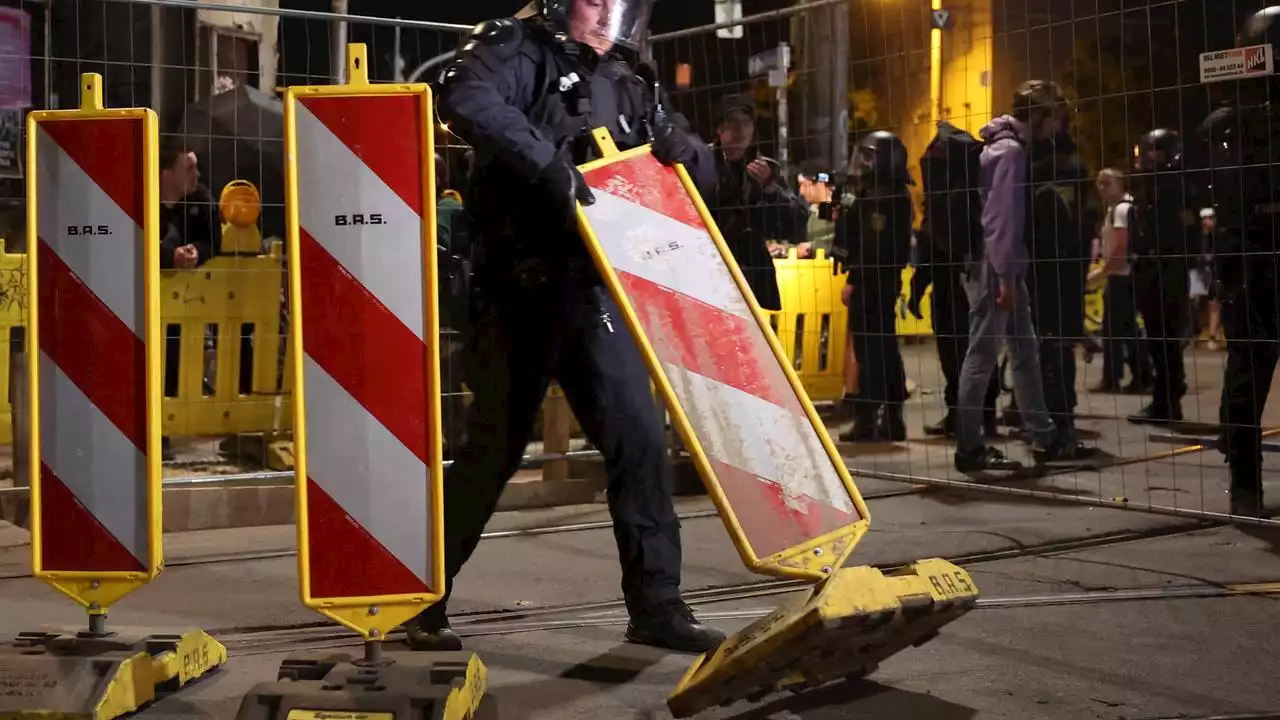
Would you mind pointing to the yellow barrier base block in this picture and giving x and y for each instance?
(412, 686)
(852, 621)
(45, 675)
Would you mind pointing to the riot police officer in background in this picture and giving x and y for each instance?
(873, 240)
(525, 94)
(1168, 233)
(1241, 158)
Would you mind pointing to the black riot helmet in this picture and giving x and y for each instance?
(1160, 149)
(881, 160)
(1262, 28)
(602, 24)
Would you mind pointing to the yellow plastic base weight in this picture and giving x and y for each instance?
(49, 675)
(405, 686)
(850, 623)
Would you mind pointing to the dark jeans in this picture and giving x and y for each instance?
(1162, 291)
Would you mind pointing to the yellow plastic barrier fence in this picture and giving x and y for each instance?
(13, 313)
(223, 319)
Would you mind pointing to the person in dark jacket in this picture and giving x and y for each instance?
(526, 94)
(1064, 215)
(752, 201)
(873, 240)
(189, 227)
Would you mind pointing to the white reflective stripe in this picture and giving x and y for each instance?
(110, 265)
(387, 259)
(98, 464)
(759, 437)
(638, 240)
(367, 470)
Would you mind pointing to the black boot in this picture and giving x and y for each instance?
(1152, 415)
(945, 428)
(430, 631)
(893, 427)
(672, 625)
(866, 428)
(1246, 491)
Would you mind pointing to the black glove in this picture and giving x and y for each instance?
(566, 186)
(672, 145)
(919, 283)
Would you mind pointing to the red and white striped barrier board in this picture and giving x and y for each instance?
(768, 460)
(92, 477)
(368, 373)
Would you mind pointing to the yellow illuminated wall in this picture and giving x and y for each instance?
(960, 79)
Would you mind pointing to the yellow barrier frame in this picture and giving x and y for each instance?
(97, 591)
(803, 561)
(388, 611)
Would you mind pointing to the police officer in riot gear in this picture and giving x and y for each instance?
(1240, 175)
(873, 240)
(1168, 232)
(525, 94)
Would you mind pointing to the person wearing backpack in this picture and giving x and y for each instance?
(996, 283)
(1168, 233)
(873, 240)
(951, 231)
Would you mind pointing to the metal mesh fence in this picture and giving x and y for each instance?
(819, 78)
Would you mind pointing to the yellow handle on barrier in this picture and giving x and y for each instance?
(91, 91)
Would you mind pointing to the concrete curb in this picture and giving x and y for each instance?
(214, 508)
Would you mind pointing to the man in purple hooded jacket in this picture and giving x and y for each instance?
(995, 282)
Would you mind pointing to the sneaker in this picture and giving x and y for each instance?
(430, 632)
(673, 626)
(987, 459)
(1152, 415)
(1065, 449)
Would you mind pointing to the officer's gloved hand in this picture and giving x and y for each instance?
(672, 145)
(917, 290)
(565, 184)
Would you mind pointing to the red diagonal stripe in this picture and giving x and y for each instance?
(722, 346)
(384, 132)
(365, 348)
(110, 152)
(72, 539)
(93, 347)
(644, 181)
(347, 561)
(773, 521)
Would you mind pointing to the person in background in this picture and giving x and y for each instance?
(1204, 301)
(189, 236)
(996, 283)
(821, 230)
(751, 201)
(1121, 339)
(873, 241)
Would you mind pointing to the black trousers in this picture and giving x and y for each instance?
(1121, 340)
(950, 316)
(873, 324)
(1163, 288)
(575, 335)
(1251, 320)
(1057, 302)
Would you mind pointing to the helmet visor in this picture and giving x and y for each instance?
(602, 24)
